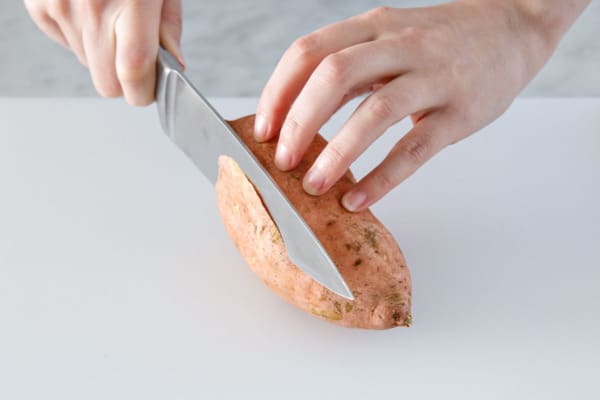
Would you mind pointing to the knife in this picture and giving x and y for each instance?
(190, 121)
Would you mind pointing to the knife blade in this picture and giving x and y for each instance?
(191, 122)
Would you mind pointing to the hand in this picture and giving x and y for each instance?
(116, 39)
(452, 68)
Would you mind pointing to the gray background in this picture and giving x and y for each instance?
(231, 47)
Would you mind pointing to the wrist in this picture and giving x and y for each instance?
(549, 19)
(535, 25)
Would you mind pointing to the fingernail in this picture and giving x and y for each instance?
(179, 55)
(181, 61)
(260, 127)
(314, 181)
(283, 157)
(353, 201)
(174, 46)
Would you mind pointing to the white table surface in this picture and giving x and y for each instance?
(117, 279)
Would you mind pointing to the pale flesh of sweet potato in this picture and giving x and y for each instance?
(365, 253)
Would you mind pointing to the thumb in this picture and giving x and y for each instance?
(170, 28)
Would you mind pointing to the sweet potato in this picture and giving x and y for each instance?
(365, 253)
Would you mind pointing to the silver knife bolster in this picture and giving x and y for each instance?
(168, 70)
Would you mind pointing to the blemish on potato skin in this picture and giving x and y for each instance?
(348, 307)
(370, 236)
(357, 262)
(338, 306)
(332, 315)
(394, 299)
(275, 235)
(259, 229)
(354, 246)
(400, 321)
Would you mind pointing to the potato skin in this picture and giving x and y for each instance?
(365, 253)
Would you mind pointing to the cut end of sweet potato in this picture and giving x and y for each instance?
(365, 253)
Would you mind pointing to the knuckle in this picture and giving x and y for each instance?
(34, 9)
(173, 18)
(306, 47)
(335, 156)
(136, 64)
(416, 150)
(59, 9)
(94, 11)
(93, 15)
(379, 19)
(427, 42)
(140, 101)
(462, 109)
(176, 24)
(335, 69)
(138, 96)
(292, 125)
(94, 6)
(383, 181)
(379, 13)
(382, 107)
(413, 36)
(108, 89)
(108, 93)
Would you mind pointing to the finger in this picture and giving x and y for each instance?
(401, 97)
(297, 64)
(137, 41)
(335, 76)
(425, 140)
(359, 91)
(69, 23)
(99, 47)
(46, 23)
(171, 27)
(75, 43)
